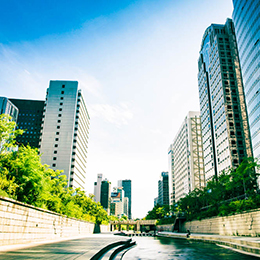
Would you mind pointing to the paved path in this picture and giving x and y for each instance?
(80, 249)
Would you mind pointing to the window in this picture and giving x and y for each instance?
(61, 104)
(54, 158)
(59, 121)
(59, 115)
(56, 145)
(57, 133)
(62, 92)
(58, 127)
(63, 86)
(60, 109)
(54, 165)
(55, 152)
(61, 98)
(56, 139)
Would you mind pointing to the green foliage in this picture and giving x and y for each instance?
(7, 132)
(234, 191)
(24, 178)
(158, 212)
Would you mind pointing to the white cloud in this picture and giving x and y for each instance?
(115, 114)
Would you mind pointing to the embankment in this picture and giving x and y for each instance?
(21, 224)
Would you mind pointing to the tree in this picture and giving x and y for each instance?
(7, 132)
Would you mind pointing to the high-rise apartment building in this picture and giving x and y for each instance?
(105, 196)
(64, 140)
(187, 153)
(127, 187)
(163, 189)
(97, 187)
(30, 120)
(8, 107)
(171, 175)
(225, 129)
(246, 17)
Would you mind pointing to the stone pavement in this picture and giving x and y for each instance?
(242, 244)
(80, 248)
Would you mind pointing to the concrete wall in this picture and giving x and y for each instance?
(21, 223)
(167, 227)
(246, 224)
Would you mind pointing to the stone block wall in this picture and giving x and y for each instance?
(21, 223)
(245, 224)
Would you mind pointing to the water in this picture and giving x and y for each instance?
(149, 248)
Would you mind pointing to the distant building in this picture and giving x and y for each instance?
(9, 108)
(127, 186)
(225, 129)
(171, 176)
(105, 196)
(64, 141)
(155, 201)
(119, 204)
(163, 189)
(246, 17)
(97, 187)
(30, 120)
(186, 151)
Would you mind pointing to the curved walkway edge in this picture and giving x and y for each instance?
(244, 245)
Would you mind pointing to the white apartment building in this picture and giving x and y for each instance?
(65, 131)
(186, 150)
(97, 187)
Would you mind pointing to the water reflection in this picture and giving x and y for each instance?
(171, 249)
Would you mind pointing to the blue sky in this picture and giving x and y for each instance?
(136, 62)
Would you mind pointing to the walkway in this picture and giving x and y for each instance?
(80, 249)
(245, 245)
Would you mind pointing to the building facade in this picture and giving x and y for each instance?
(9, 108)
(105, 195)
(225, 129)
(171, 175)
(188, 166)
(97, 187)
(64, 140)
(30, 120)
(163, 189)
(246, 17)
(127, 187)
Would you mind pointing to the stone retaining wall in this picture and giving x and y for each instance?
(21, 223)
(245, 224)
(166, 227)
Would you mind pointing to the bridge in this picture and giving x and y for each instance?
(139, 225)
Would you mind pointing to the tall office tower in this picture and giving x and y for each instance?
(163, 189)
(65, 131)
(117, 202)
(105, 196)
(9, 108)
(246, 17)
(29, 120)
(171, 176)
(127, 186)
(97, 187)
(225, 129)
(188, 167)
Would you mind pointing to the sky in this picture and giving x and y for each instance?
(136, 63)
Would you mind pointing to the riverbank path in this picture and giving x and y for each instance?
(80, 248)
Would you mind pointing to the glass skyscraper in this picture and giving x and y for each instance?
(246, 17)
(127, 186)
(29, 120)
(225, 129)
